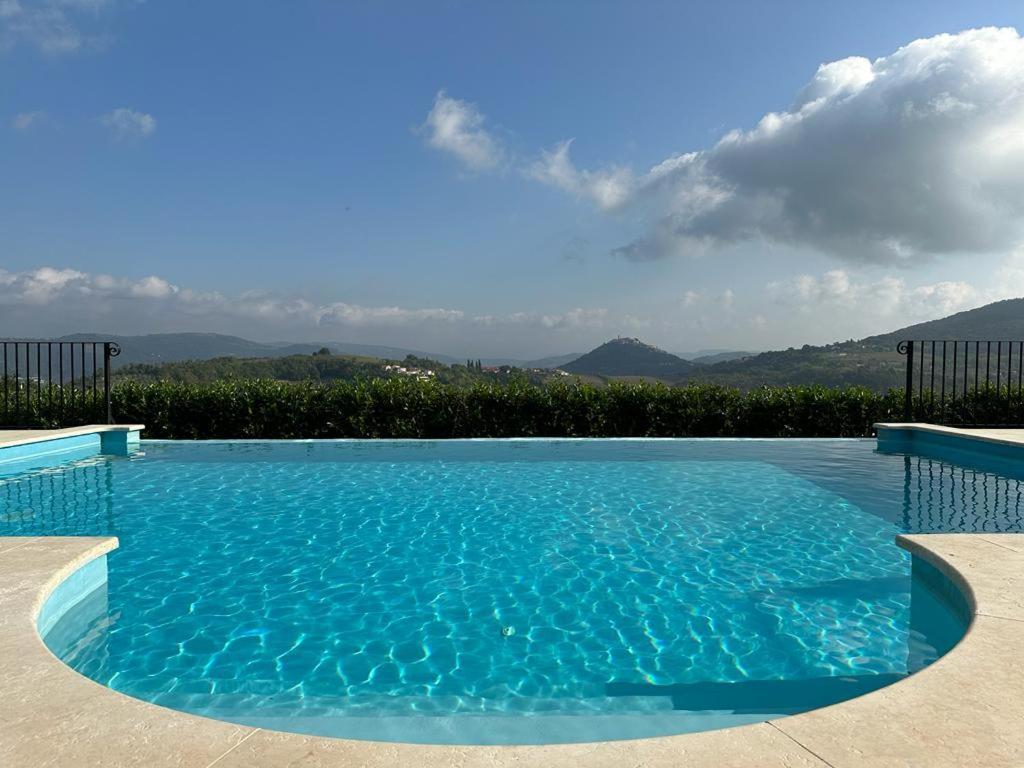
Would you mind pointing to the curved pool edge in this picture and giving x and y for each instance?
(963, 709)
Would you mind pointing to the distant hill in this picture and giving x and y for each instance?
(834, 365)
(871, 362)
(556, 361)
(1002, 320)
(176, 347)
(168, 347)
(710, 358)
(630, 357)
(384, 353)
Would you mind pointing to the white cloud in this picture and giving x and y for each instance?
(95, 301)
(53, 27)
(38, 287)
(25, 121)
(887, 296)
(353, 314)
(894, 160)
(691, 298)
(843, 304)
(579, 317)
(152, 287)
(1010, 275)
(456, 127)
(50, 301)
(125, 123)
(607, 188)
(71, 290)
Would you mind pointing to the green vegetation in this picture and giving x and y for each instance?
(315, 367)
(427, 409)
(835, 390)
(413, 408)
(843, 364)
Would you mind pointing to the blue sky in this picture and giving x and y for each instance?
(391, 172)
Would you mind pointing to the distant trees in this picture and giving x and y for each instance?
(321, 366)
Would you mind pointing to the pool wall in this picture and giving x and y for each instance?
(89, 443)
(20, 449)
(70, 593)
(949, 442)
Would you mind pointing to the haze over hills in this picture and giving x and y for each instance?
(710, 357)
(872, 362)
(177, 347)
(555, 361)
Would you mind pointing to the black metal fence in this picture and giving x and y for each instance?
(56, 383)
(964, 383)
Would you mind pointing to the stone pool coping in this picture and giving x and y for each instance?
(18, 445)
(965, 709)
(995, 435)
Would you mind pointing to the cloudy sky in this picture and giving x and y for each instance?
(508, 179)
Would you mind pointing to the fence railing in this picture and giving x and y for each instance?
(56, 383)
(964, 383)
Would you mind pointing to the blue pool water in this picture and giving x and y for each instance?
(506, 591)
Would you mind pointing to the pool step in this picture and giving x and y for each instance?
(492, 729)
(233, 706)
(463, 720)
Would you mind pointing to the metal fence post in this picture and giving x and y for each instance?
(907, 348)
(110, 350)
(106, 380)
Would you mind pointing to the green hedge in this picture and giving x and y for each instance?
(409, 408)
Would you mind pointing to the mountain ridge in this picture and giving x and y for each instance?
(1000, 320)
(872, 361)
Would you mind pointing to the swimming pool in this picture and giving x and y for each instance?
(506, 591)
